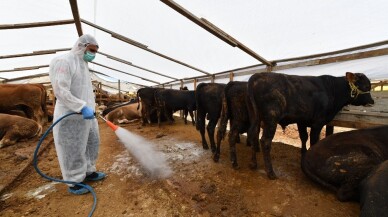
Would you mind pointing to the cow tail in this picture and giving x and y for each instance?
(199, 122)
(137, 98)
(223, 122)
(44, 100)
(315, 178)
(254, 119)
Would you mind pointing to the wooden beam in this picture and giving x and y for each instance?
(241, 45)
(355, 56)
(363, 117)
(26, 77)
(36, 24)
(125, 72)
(212, 78)
(140, 45)
(334, 52)
(131, 64)
(195, 84)
(34, 53)
(213, 29)
(116, 35)
(231, 75)
(119, 87)
(322, 61)
(74, 10)
(105, 85)
(24, 68)
(141, 85)
(47, 82)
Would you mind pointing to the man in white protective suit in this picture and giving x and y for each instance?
(76, 137)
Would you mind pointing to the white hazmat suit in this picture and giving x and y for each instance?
(76, 139)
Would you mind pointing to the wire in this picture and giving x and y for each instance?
(35, 163)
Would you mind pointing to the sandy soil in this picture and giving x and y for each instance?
(197, 187)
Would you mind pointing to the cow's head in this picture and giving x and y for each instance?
(359, 89)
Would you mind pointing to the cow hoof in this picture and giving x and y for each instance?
(272, 176)
(216, 158)
(253, 166)
(235, 166)
(205, 147)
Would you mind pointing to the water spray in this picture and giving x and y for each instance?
(152, 161)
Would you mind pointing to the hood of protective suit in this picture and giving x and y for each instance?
(80, 46)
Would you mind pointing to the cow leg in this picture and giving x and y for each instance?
(158, 112)
(168, 114)
(314, 134)
(252, 140)
(233, 134)
(143, 117)
(216, 155)
(349, 190)
(185, 112)
(201, 127)
(8, 139)
(268, 134)
(192, 116)
(210, 131)
(146, 114)
(302, 129)
(329, 130)
(27, 110)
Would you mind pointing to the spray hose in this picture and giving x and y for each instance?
(35, 163)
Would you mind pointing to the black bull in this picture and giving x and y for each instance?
(147, 99)
(234, 108)
(209, 101)
(307, 101)
(374, 192)
(171, 100)
(342, 161)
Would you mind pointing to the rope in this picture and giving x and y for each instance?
(354, 91)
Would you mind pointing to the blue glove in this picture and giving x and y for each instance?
(87, 112)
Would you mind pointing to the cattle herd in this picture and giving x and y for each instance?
(354, 164)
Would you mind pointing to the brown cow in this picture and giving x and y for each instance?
(124, 114)
(25, 97)
(14, 128)
(43, 102)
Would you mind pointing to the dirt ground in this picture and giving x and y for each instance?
(197, 187)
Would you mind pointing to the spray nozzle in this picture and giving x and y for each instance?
(110, 124)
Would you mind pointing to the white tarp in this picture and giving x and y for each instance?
(273, 29)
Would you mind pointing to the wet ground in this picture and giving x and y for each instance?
(197, 186)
